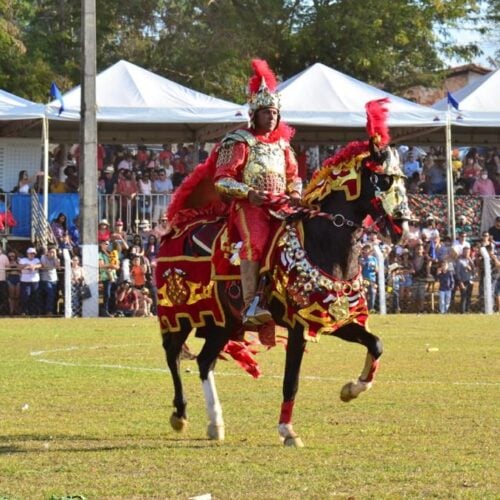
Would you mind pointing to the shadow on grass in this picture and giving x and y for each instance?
(20, 443)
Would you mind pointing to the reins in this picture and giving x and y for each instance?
(288, 212)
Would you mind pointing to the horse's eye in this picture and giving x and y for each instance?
(385, 182)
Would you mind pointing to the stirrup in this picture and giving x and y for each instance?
(255, 315)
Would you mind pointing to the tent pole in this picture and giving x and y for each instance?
(45, 135)
(449, 178)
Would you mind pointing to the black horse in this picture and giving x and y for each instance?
(312, 283)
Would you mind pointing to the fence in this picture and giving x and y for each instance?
(132, 211)
(483, 291)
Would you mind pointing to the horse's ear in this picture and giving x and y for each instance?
(377, 154)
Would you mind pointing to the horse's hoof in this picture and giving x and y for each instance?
(289, 437)
(294, 441)
(352, 390)
(216, 432)
(179, 424)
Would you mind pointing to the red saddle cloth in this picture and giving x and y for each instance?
(186, 289)
(188, 280)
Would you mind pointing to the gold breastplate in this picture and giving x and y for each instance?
(266, 167)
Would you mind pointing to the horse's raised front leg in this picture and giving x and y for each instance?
(356, 333)
(294, 354)
(172, 345)
(207, 359)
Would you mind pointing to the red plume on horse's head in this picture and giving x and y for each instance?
(376, 125)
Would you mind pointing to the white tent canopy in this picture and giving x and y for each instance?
(478, 120)
(13, 107)
(135, 104)
(479, 103)
(325, 105)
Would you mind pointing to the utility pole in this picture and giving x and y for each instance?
(88, 158)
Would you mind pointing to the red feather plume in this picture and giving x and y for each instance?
(261, 69)
(376, 124)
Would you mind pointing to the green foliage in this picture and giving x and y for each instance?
(86, 403)
(389, 43)
(208, 44)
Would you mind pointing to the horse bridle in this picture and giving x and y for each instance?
(338, 220)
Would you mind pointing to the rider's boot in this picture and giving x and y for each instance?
(253, 313)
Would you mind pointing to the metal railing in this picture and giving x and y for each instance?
(41, 231)
(132, 211)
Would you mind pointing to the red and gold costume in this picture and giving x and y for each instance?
(247, 160)
(256, 166)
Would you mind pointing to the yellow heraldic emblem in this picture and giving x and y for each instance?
(339, 310)
(315, 313)
(199, 291)
(174, 291)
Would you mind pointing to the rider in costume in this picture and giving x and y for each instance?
(255, 166)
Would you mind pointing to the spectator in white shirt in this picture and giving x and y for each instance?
(411, 165)
(30, 280)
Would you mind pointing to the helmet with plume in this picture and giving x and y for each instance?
(262, 87)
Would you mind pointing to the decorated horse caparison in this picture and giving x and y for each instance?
(310, 280)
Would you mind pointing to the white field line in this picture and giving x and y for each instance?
(222, 374)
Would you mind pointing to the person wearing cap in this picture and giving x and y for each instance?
(162, 228)
(144, 231)
(255, 166)
(30, 281)
(119, 234)
(107, 182)
(103, 231)
(463, 225)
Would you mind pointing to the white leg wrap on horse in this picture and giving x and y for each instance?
(214, 410)
(288, 436)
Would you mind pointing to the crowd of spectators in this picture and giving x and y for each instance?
(126, 269)
(428, 265)
(473, 173)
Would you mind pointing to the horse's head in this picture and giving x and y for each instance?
(383, 182)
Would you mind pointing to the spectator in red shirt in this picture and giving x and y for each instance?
(126, 299)
(166, 154)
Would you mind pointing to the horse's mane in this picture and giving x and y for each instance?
(196, 196)
(344, 160)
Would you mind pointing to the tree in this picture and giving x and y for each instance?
(208, 44)
(391, 43)
(11, 45)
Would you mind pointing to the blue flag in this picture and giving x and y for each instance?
(452, 101)
(55, 93)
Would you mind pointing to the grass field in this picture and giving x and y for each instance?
(85, 406)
